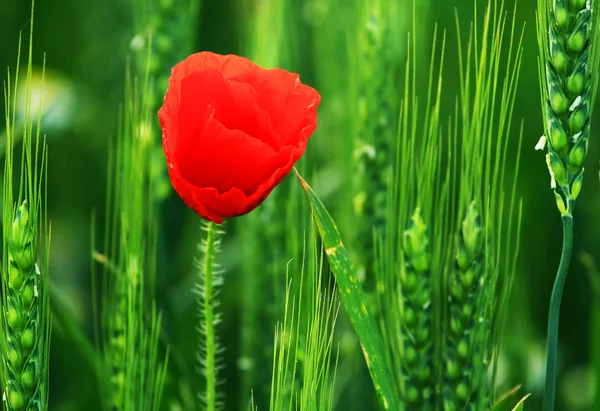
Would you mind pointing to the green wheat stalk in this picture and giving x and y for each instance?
(589, 263)
(130, 324)
(25, 319)
(568, 40)
(408, 315)
(485, 110)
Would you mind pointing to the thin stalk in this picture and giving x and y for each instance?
(553, 316)
(596, 337)
(590, 264)
(16, 137)
(211, 395)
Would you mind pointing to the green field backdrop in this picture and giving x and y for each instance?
(88, 45)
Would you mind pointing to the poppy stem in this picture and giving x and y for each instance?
(209, 318)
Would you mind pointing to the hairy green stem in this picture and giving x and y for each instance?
(553, 315)
(209, 319)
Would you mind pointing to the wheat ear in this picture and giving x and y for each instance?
(24, 385)
(568, 41)
(463, 353)
(415, 280)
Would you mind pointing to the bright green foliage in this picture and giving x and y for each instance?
(417, 347)
(435, 229)
(568, 39)
(25, 319)
(129, 324)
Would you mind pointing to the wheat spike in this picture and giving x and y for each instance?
(415, 281)
(24, 329)
(464, 355)
(567, 36)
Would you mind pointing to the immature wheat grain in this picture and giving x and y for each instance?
(25, 327)
(117, 351)
(463, 349)
(417, 353)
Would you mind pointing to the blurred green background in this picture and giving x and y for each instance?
(87, 43)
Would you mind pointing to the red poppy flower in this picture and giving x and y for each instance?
(232, 131)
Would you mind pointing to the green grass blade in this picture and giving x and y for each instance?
(508, 400)
(354, 299)
(521, 404)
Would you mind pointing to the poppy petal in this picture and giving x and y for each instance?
(232, 131)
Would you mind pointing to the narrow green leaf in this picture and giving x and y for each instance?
(521, 404)
(508, 400)
(354, 300)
